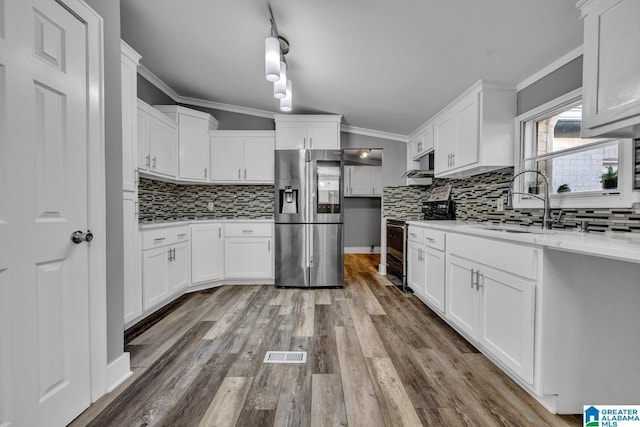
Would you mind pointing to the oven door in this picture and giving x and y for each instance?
(395, 252)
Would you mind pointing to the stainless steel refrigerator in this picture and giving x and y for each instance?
(309, 244)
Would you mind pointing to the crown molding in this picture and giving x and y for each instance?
(374, 133)
(226, 107)
(558, 63)
(155, 80)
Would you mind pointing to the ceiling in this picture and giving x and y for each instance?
(385, 66)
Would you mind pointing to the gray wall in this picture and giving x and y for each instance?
(362, 221)
(151, 94)
(561, 81)
(110, 12)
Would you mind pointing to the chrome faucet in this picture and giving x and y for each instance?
(547, 221)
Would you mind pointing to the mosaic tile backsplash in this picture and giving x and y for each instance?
(164, 201)
(476, 199)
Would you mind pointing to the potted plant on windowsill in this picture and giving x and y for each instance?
(609, 179)
(564, 188)
(534, 186)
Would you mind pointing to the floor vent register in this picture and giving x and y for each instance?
(285, 357)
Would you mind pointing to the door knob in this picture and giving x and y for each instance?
(79, 237)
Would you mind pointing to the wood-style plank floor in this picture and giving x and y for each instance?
(376, 357)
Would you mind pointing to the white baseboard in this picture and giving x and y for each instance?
(382, 269)
(361, 250)
(118, 371)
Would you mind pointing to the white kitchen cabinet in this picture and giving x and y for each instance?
(157, 142)
(129, 60)
(474, 134)
(242, 156)
(415, 267)
(490, 298)
(434, 265)
(193, 141)
(422, 143)
(207, 253)
(248, 250)
(165, 264)
(132, 280)
(362, 181)
(611, 73)
(307, 131)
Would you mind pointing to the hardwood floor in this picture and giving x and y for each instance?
(376, 357)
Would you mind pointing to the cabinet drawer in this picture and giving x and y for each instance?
(164, 236)
(247, 230)
(434, 239)
(415, 234)
(516, 259)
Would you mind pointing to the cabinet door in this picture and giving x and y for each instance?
(361, 181)
(143, 158)
(291, 135)
(462, 296)
(444, 132)
(415, 267)
(162, 147)
(259, 159)
(376, 180)
(227, 158)
(206, 253)
(611, 72)
(323, 136)
(434, 277)
(193, 147)
(507, 325)
(466, 123)
(131, 255)
(248, 258)
(178, 268)
(154, 276)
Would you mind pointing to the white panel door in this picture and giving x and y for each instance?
(361, 184)
(44, 276)
(248, 258)
(162, 147)
(207, 256)
(226, 158)
(444, 136)
(259, 158)
(467, 142)
(507, 326)
(154, 276)
(462, 297)
(193, 143)
(143, 157)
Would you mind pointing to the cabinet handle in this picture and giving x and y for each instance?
(310, 142)
(478, 285)
(453, 159)
(219, 232)
(158, 239)
(155, 162)
(205, 173)
(170, 255)
(148, 162)
(181, 235)
(136, 177)
(412, 234)
(136, 208)
(430, 239)
(269, 245)
(472, 278)
(238, 173)
(247, 231)
(245, 174)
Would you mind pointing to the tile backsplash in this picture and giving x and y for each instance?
(164, 201)
(476, 199)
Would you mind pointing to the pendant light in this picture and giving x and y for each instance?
(285, 103)
(272, 59)
(280, 85)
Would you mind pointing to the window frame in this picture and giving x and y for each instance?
(622, 197)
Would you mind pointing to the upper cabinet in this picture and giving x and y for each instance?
(242, 156)
(193, 141)
(474, 134)
(422, 144)
(362, 181)
(129, 60)
(611, 72)
(307, 131)
(157, 142)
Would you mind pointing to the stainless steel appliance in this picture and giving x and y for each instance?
(309, 217)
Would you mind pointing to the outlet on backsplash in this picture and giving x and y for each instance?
(500, 204)
(210, 206)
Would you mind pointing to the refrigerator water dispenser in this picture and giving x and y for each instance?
(288, 200)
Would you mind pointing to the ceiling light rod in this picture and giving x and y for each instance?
(284, 43)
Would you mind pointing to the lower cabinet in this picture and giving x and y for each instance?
(415, 267)
(248, 251)
(165, 264)
(434, 284)
(426, 266)
(493, 307)
(207, 253)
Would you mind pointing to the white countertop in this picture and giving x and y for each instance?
(619, 246)
(154, 225)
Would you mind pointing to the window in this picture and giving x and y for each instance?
(582, 172)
